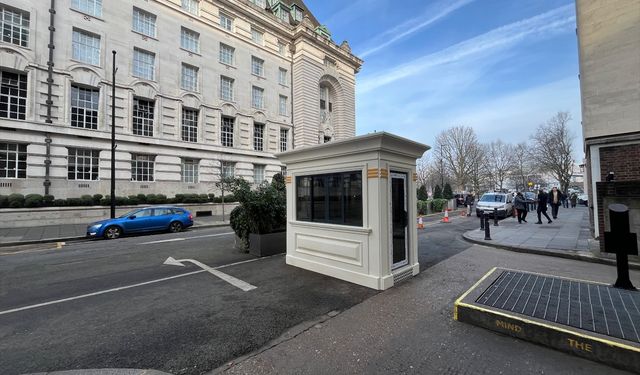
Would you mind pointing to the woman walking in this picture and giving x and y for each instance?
(520, 203)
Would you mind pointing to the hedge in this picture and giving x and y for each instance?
(37, 200)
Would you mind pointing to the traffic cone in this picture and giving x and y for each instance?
(420, 223)
(445, 219)
(463, 212)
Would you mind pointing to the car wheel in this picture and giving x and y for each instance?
(112, 232)
(175, 227)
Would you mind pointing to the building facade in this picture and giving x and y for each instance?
(204, 89)
(609, 47)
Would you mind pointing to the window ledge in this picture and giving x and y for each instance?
(87, 14)
(86, 63)
(143, 35)
(227, 65)
(190, 52)
(333, 227)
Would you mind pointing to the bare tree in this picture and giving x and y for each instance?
(554, 148)
(453, 147)
(479, 171)
(500, 160)
(422, 170)
(523, 164)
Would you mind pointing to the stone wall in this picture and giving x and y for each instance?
(32, 217)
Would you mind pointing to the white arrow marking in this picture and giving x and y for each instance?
(188, 238)
(228, 278)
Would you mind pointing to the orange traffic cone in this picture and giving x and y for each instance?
(445, 219)
(420, 223)
(463, 212)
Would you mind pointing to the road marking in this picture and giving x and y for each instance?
(129, 286)
(186, 238)
(228, 278)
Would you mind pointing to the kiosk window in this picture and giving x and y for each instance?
(334, 198)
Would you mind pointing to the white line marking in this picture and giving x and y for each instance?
(186, 238)
(128, 286)
(228, 278)
(98, 293)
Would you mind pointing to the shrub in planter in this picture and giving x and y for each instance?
(74, 202)
(132, 199)
(33, 200)
(423, 207)
(87, 200)
(60, 202)
(97, 198)
(4, 201)
(240, 225)
(142, 199)
(156, 198)
(261, 211)
(106, 201)
(16, 200)
(212, 197)
(48, 200)
(203, 198)
(438, 205)
(179, 198)
(122, 201)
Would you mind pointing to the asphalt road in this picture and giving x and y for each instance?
(114, 304)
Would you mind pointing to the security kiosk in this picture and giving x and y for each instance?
(351, 209)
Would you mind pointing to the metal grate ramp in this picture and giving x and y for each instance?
(588, 306)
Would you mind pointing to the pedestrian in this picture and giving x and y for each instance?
(542, 206)
(520, 203)
(565, 201)
(468, 202)
(574, 200)
(555, 200)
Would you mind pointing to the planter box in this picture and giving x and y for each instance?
(262, 245)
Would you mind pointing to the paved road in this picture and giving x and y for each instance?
(183, 325)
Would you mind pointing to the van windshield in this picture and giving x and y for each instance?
(492, 198)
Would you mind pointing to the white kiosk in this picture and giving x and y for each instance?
(351, 209)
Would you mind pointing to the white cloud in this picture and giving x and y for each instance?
(413, 25)
(557, 20)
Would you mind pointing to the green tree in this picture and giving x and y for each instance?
(437, 192)
(422, 193)
(447, 193)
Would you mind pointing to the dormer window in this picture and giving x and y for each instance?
(296, 12)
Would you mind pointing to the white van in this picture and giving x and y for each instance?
(490, 201)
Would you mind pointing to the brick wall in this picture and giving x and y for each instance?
(624, 161)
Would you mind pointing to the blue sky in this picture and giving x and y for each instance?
(499, 66)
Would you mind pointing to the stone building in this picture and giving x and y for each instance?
(204, 89)
(609, 47)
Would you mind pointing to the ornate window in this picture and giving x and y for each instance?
(226, 131)
(284, 139)
(84, 107)
(258, 137)
(189, 125)
(13, 95)
(143, 115)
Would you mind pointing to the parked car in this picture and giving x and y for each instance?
(583, 199)
(489, 201)
(459, 199)
(148, 219)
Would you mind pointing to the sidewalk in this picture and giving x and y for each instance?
(68, 232)
(409, 329)
(568, 236)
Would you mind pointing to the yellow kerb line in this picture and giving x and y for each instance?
(455, 305)
(524, 320)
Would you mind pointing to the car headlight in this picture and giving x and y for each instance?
(96, 226)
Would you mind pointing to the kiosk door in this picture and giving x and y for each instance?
(399, 218)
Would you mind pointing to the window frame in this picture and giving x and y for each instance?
(189, 40)
(19, 31)
(227, 131)
(257, 36)
(145, 21)
(189, 124)
(227, 50)
(257, 66)
(258, 136)
(189, 170)
(310, 208)
(139, 72)
(19, 160)
(143, 117)
(13, 95)
(191, 6)
(284, 140)
(283, 105)
(256, 168)
(189, 82)
(86, 112)
(223, 81)
(257, 97)
(92, 155)
(226, 21)
(283, 76)
(90, 7)
(225, 167)
(146, 165)
(82, 50)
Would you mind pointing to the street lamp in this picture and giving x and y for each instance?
(113, 139)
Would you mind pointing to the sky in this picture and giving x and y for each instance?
(501, 67)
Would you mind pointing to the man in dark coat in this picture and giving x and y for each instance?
(520, 204)
(555, 200)
(542, 206)
(468, 201)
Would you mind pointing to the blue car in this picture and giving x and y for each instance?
(173, 219)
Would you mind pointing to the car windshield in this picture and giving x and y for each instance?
(492, 198)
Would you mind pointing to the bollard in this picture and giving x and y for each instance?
(495, 217)
(481, 220)
(621, 241)
(487, 228)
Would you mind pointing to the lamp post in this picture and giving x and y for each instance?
(113, 139)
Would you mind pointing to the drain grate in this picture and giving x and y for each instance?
(589, 306)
